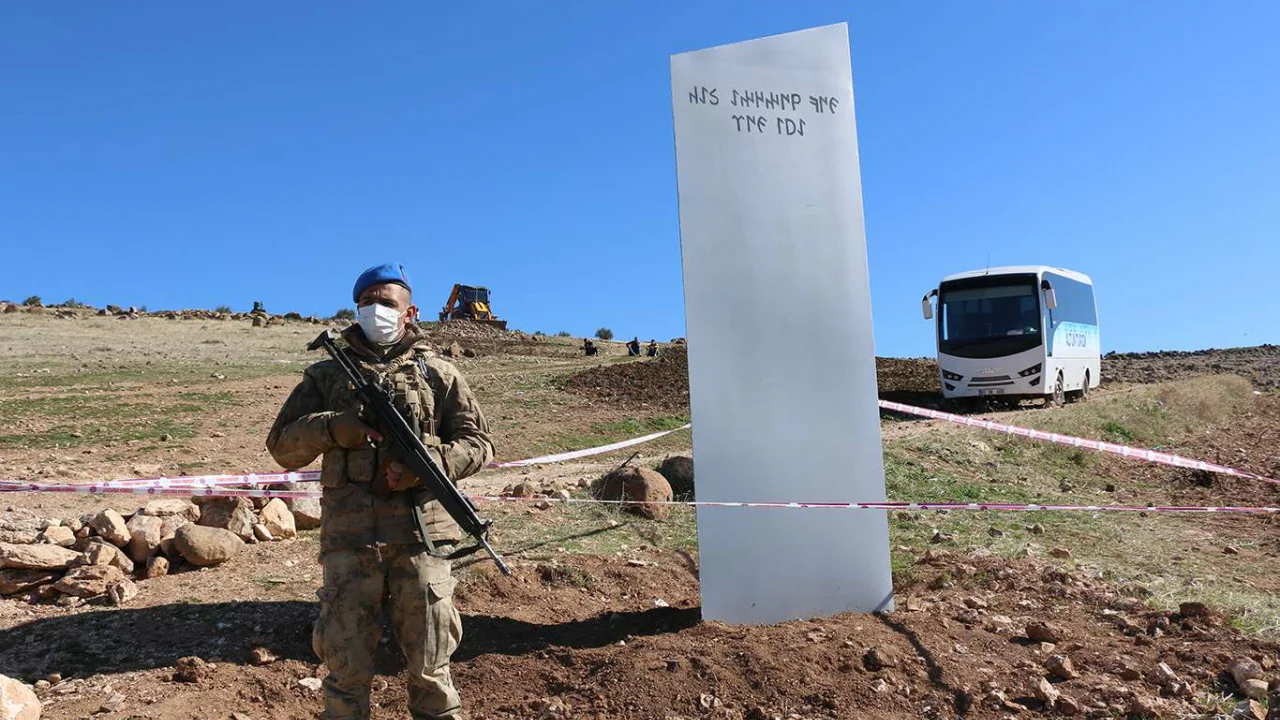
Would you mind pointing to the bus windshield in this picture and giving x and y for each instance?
(989, 316)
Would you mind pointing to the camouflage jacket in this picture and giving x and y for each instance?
(441, 404)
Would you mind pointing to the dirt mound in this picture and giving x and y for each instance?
(1260, 365)
(664, 385)
(907, 375)
(621, 638)
(661, 384)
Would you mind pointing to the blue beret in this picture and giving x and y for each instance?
(378, 275)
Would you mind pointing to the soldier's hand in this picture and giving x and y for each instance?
(399, 476)
(350, 432)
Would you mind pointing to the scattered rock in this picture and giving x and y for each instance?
(1061, 553)
(1036, 529)
(1061, 667)
(17, 700)
(542, 504)
(306, 512)
(261, 532)
(262, 656)
(1067, 705)
(191, 670)
(278, 519)
(110, 526)
(1249, 710)
(521, 490)
(1045, 632)
(233, 514)
(145, 533)
(644, 487)
(876, 660)
(1046, 692)
(1127, 672)
(157, 566)
(1164, 676)
(35, 557)
(563, 495)
(113, 704)
(310, 683)
(1142, 706)
(168, 528)
(549, 707)
(103, 553)
(1254, 689)
(167, 507)
(58, 535)
(678, 470)
(15, 581)
(89, 580)
(1244, 668)
(122, 592)
(205, 546)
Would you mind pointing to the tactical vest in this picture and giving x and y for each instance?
(409, 380)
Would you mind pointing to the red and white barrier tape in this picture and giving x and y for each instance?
(216, 491)
(196, 484)
(1098, 445)
(221, 485)
(575, 454)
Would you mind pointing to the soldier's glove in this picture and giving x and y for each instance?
(397, 476)
(350, 432)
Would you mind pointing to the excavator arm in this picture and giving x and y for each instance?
(453, 300)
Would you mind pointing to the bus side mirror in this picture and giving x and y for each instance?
(1050, 299)
(928, 306)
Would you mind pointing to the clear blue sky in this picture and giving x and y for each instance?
(196, 154)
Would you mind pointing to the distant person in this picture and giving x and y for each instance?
(589, 348)
(652, 350)
(633, 347)
(372, 554)
(257, 307)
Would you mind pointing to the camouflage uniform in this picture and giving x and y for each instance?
(370, 549)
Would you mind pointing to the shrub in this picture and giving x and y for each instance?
(345, 314)
(604, 334)
(33, 301)
(563, 333)
(73, 303)
(223, 309)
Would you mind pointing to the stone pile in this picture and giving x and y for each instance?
(103, 554)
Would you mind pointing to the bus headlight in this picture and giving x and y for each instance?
(948, 375)
(1033, 370)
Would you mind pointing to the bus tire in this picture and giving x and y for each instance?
(1059, 396)
(1084, 389)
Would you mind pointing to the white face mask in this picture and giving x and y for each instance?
(380, 323)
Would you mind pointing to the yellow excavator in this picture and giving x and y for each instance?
(470, 303)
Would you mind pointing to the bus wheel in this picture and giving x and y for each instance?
(1059, 396)
(1084, 391)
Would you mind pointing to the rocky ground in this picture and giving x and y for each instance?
(996, 616)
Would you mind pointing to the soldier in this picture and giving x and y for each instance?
(633, 347)
(588, 347)
(652, 349)
(370, 551)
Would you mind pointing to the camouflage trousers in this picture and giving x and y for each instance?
(418, 592)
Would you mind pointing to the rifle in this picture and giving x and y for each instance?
(408, 448)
